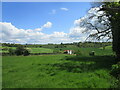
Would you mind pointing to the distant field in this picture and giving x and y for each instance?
(7, 48)
(59, 71)
(107, 47)
(40, 50)
(32, 50)
(107, 51)
(85, 51)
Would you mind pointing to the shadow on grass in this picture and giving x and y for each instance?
(86, 64)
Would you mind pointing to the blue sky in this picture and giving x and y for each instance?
(42, 22)
(31, 15)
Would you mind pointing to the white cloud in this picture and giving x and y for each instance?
(76, 31)
(38, 29)
(77, 22)
(47, 25)
(12, 34)
(64, 9)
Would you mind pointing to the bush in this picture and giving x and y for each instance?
(11, 51)
(116, 73)
(116, 70)
(26, 52)
(92, 53)
(20, 50)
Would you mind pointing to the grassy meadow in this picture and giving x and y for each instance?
(60, 71)
(40, 50)
(32, 50)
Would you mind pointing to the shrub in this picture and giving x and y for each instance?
(20, 50)
(92, 53)
(116, 73)
(116, 70)
(11, 51)
(26, 52)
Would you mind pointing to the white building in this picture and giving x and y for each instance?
(68, 51)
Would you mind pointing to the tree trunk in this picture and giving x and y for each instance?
(118, 56)
(115, 20)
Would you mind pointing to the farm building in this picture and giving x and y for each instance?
(68, 51)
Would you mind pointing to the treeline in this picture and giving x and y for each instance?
(62, 45)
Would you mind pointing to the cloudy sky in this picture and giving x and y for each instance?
(41, 23)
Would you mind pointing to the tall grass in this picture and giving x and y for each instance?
(58, 71)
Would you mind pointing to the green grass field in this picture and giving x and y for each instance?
(40, 50)
(98, 51)
(107, 51)
(59, 71)
(32, 50)
(107, 47)
(5, 47)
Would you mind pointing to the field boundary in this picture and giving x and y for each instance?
(7, 54)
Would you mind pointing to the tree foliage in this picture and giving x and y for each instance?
(20, 50)
(104, 22)
(11, 51)
(114, 10)
(96, 24)
(26, 52)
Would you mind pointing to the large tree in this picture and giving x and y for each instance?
(104, 22)
(113, 9)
